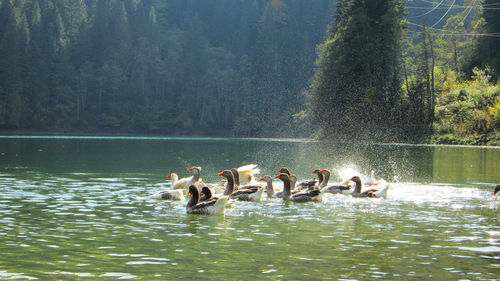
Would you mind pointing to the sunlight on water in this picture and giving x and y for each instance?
(87, 224)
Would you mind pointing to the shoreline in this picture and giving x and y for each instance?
(49, 135)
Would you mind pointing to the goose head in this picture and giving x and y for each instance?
(267, 179)
(206, 193)
(284, 170)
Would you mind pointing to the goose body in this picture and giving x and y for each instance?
(210, 207)
(250, 181)
(176, 194)
(300, 185)
(247, 193)
(372, 193)
(270, 188)
(247, 172)
(303, 196)
(342, 188)
(176, 182)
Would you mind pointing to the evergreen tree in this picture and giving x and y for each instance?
(356, 89)
(490, 45)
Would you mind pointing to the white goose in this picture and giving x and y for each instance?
(247, 173)
(176, 182)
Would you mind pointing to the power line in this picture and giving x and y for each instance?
(470, 10)
(445, 14)
(447, 32)
(433, 8)
(484, 5)
(453, 7)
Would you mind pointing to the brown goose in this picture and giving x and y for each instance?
(270, 188)
(210, 207)
(300, 185)
(248, 193)
(303, 196)
(195, 179)
(373, 193)
(343, 188)
(321, 178)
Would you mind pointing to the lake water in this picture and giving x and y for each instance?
(68, 211)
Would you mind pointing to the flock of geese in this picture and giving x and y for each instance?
(240, 185)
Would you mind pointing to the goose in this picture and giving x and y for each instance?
(219, 188)
(195, 178)
(269, 187)
(303, 196)
(248, 193)
(210, 207)
(236, 177)
(497, 189)
(206, 194)
(176, 194)
(300, 185)
(247, 172)
(320, 177)
(176, 182)
(237, 186)
(334, 188)
(372, 193)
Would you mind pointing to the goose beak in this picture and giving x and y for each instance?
(261, 179)
(277, 176)
(322, 171)
(169, 176)
(314, 172)
(190, 169)
(220, 174)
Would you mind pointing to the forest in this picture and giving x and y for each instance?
(377, 70)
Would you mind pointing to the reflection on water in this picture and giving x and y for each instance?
(68, 211)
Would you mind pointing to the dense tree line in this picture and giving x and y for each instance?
(246, 68)
(227, 67)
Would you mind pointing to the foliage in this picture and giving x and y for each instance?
(174, 67)
(356, 89)
(468, 113)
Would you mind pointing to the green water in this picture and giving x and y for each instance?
(68, 212)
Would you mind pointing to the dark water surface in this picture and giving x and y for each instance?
(68, 211)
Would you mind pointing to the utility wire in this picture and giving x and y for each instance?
(432, 2)
(447, 32)
(445, 14)
(433, 8)
(470, 10)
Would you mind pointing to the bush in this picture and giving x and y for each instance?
(469, 112)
